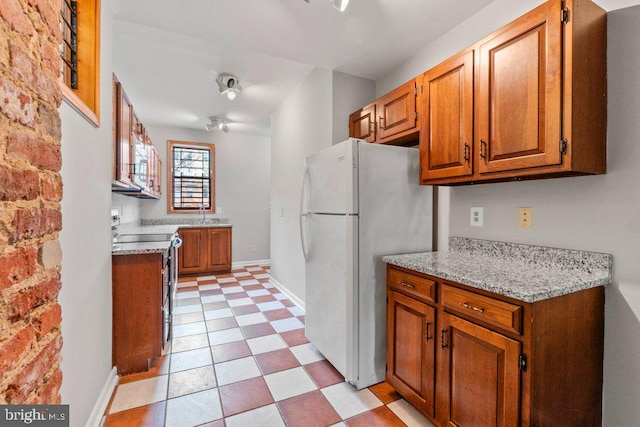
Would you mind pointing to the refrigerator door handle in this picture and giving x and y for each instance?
(303, 212)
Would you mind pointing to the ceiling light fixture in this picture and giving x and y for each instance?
(217, 123)
(229, 85)
(340, 5)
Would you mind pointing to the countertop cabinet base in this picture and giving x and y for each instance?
(204, 250)
(498, 361)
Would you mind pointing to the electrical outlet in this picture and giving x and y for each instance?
(218, 210)
(254, 248)
(525, 217)
(477, 217)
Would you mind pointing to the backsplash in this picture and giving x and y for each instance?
(190, 221)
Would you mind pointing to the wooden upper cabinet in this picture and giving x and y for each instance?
(391, 119)
(446, 135)
(520, 93)
(362, 123)
(123, 137)
(481, 376)
(397, 111)
(539, 101)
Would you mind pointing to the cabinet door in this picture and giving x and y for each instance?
(519, 94)
(124, 142)
(193, 255)
(480, 376)
(219, 249)
(446, 130)
(410, 350)
(397, 111)
(362, 124)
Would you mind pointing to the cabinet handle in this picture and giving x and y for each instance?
(466, 152)
(471, 307)
(427, 336)
(443, 344)
(407, 285)
(380, 119)
(372, 126)
(483, 153)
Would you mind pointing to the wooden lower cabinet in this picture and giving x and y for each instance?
(410, 350)
(468, 357)
(480, 374)
(141, 318)
(204, 250)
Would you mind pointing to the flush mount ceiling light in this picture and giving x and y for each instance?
(228, 84)
(340, 5)
(217, 123)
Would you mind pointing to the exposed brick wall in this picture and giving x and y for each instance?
(30, 194)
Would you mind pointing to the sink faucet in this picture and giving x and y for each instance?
(202, 211)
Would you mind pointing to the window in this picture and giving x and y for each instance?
(191, 177)
(80, 51)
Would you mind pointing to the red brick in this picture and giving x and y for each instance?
(51, 57)
(50, 121)
(23, 67)
(47, 13)
(31, 375)
(12, 12)
(33, 297)
(17, 184)
(48, 320)
(51, 187)
(12, 349)
(17, 265)
(49, 392)
(37, 151)
(15, 104)
(35, 222)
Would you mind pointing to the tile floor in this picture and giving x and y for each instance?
(239, 358)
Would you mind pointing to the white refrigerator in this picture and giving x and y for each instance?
(359, 201)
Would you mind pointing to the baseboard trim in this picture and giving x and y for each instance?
(254, 262)
(97, 414)
(297, 301)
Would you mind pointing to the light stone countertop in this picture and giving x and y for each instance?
(161, 226)
(524, 272)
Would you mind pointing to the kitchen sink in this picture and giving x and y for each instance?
(134, 238)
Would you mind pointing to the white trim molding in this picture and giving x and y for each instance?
(254, 262)
(286, 291)
(97, 414)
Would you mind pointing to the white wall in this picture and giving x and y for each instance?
(242, 185)
(595, 213)
(349, 94)
(130, 208)
(313, 117)
(85, 297)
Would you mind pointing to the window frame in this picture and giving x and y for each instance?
(86, 98)
(212, 193)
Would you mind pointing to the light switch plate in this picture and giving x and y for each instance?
(477, 217)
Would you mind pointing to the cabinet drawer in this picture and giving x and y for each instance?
(498, 313)
(414, 285)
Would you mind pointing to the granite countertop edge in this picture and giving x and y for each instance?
(522, 279)
(141, 248)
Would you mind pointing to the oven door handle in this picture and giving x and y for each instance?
(176, 243)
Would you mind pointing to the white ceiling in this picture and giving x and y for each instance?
(167, 52)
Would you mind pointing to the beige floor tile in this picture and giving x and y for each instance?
(191, 381)
(140, 393)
